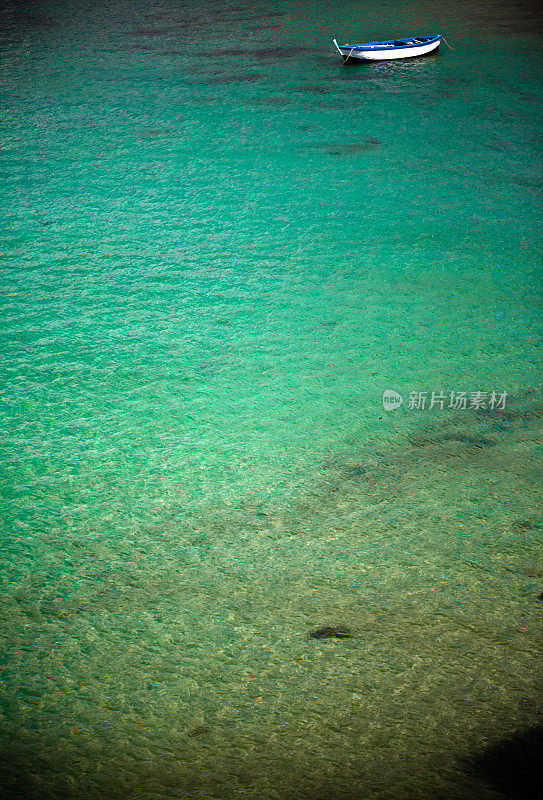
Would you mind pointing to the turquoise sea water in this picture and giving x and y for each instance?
(217, 254)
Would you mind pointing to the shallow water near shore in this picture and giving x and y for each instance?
(217, 254)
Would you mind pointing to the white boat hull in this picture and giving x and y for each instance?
(388, 54)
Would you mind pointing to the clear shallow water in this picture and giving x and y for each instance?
(217, 255)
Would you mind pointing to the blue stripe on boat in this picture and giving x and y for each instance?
(393, 44)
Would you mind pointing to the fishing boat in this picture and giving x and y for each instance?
(395, 48)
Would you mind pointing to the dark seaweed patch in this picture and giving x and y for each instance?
(530, 97)
(348, 77)
(509, 414)
(499, 144)
(157, 32)
(261, 53)
(228, 78)
(17, 18)
(244, 17)
(350, 148)
(271, 101)
(260, 27)
(313, 88)
(475, 441)
(501, 427)
(151, 32)
(334, 106)
(337, 632)
(422, 440)
(136, 46)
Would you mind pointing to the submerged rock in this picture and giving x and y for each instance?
(200, 730)
(354, 470)
(526, 525)
(331, 633)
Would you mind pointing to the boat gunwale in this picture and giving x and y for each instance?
(390, 45)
